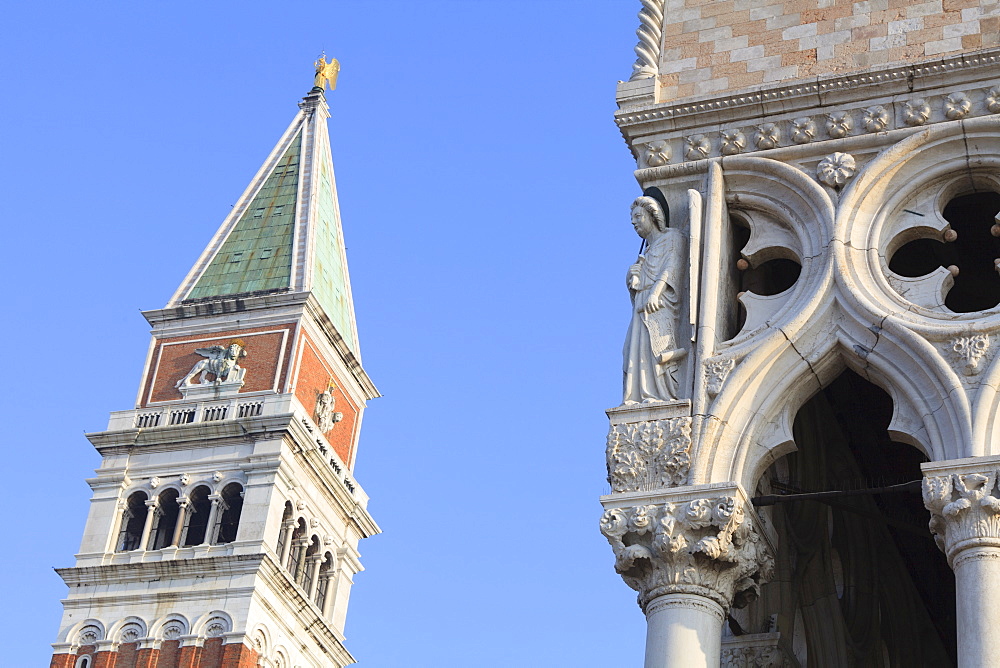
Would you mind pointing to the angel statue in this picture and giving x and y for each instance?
(326, 73)
(651, 353)
(221, 362)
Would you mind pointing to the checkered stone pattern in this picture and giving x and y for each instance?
(721, 45)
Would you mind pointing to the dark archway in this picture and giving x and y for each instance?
(859, 580)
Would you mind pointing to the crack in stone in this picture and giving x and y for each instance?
(801, 356)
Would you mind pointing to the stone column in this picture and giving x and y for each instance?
(301, 544)
(317, 561)
(288, 529)
(152, 509)
(212, 530)
(964, 501)
(691, 556)
(182, 504)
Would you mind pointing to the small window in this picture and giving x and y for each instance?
(278, 209)
(83, 662)
(236, 257)
(258, 213)
(265, 254)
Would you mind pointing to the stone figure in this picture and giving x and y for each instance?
(221, 362)
(326, 72)
(326, 417)
(651, 353)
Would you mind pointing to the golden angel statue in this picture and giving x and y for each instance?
(326, 73)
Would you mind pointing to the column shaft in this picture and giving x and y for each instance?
(977, 585)
(683, 631)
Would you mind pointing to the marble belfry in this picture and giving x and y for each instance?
(805, 466)
(225, 518)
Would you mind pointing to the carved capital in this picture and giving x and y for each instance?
(710, 547)
(648, 455)
(755, 650)
(964, 503)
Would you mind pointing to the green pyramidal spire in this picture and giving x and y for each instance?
(257, 254)
(284, 234)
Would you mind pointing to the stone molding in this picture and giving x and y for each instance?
(686, 543)
(817, 110)
(643, 456)
(963, 498)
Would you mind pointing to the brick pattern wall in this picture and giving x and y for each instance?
(213, 655)
(313, 377)
(170, 362)
(712, 46)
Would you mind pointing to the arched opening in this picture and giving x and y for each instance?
(323, 586)
(133, 522)
(859, 580)
(312, 556)
(166, 519)
(231, 506)
(198, 511)
(285, 532)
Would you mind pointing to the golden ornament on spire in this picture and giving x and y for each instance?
(326, 73)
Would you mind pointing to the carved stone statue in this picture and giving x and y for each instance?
(221, 362)
(651, 353)
(326, 72)
(326, 417)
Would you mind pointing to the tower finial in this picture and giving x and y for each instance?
(326, 73)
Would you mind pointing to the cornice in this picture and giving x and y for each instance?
(303, 611)
(216, 306)
(842, 89)
(228, 565)
(351, 361)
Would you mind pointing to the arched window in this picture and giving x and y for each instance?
(133, 522)
(166, 519)
(312, 556)
(287, 525)
(231, 506)
(84, 662)
(325, 572)
(198, 511)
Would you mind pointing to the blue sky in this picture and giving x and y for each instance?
(484, 191)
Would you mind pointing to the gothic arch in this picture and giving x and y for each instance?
(781, 376)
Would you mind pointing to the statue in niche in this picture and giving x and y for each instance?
(326, 417)
(221, 362)
(651, 354)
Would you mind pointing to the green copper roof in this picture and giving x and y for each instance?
(257, 254)
(330, 281)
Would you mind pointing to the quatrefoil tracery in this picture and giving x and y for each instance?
(944, 255)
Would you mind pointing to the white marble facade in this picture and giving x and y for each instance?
(839, 175)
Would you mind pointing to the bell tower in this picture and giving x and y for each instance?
(225, 517)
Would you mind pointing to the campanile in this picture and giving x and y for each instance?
(225, 517)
